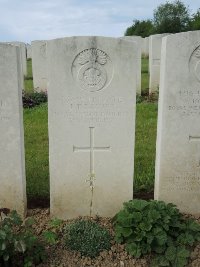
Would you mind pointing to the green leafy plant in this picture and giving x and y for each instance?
(87, 237)
(153, 226)
(18, 245)
(55, 223)
(51, 235)
(31, 100)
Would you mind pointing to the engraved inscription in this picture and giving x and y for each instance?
(185, 182)
(5, 110)
(94, 109)
(189, 103)
(92, 69)
(194, 63)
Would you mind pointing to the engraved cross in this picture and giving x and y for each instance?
(91, 148)
(195, 139)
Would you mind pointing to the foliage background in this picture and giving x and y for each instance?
(171, 17)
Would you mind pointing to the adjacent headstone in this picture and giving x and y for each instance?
(146, 47)
(28, 51)
(155, 42)
(143, 47)
(178, 136)
(139, 42)
(12, 165)
(39, 65)
(91, 105)
(23, 55)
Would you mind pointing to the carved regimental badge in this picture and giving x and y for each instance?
(194, 63)
(92, 69)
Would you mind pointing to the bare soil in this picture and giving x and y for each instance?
(60, 256)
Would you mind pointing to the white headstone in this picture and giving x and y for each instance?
(91, 104)
(146, 46)
(12, 165)
(143, 46)
(28, 51)
(155, 42)
(178, 136)
(23, 55)
(139, 42)
(39, 65)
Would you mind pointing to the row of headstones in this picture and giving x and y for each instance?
(143, 42)
(149, 46)
(91, 118)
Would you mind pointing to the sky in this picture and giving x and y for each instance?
(29, 20)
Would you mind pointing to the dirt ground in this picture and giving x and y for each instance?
(60, 256)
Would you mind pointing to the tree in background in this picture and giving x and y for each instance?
(195, 22)
(172, 17)
(142, 28)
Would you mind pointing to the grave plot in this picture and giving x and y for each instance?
(91, 105)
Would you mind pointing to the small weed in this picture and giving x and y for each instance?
(87, 237)
(51, 236)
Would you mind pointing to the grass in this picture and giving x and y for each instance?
(36, 143)
(145, 143)
(145, 138)
(36, 147)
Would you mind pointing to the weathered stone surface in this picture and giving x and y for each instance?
(178, 136)
(139, 42)
(155, 42)
(91, 104)
(39, 65)
(23, 55)
(144, 47)
(12, 166)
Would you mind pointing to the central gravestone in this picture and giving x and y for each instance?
(91, 98)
